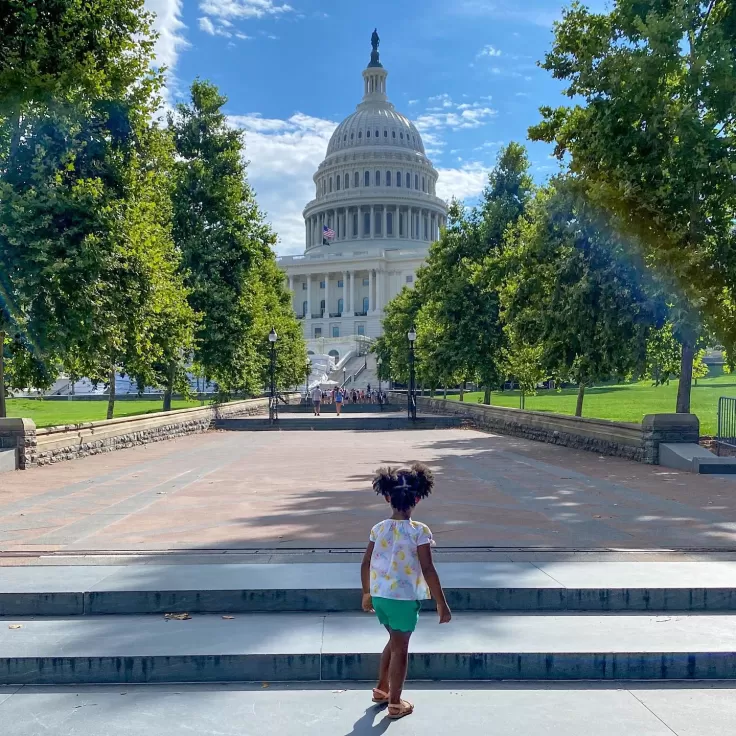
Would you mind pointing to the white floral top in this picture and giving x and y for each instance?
(395, 569)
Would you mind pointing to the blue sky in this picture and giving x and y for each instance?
(464, 70)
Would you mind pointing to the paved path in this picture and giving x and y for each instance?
(290, 490)
(510, 709)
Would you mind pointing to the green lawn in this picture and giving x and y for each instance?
(625, 402)
(52, 413)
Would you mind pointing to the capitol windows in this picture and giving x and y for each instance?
(337, 182)
(367, 223)
(355, 225)
(304, 309)
(393, 134)
(389, 223)
(388, 178)
(398, 178)
(378, 178)
(330, 184)
(377, 216)
(352, 136)
(347, 181)
(345, 138)
(360, 134)
(401, 135)
(424, 184)
(416, 181)
(367, 179)
(385, 134)
(367, 134)
(376, 134)
(356, 183)
(408, 180)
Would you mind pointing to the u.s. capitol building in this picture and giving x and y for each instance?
(374, 215)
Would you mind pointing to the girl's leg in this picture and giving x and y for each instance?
(399, 663)
(383, 671)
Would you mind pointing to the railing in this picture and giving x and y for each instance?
(727, 421)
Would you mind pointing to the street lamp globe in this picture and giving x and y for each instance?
(412, 334)
(272, 336)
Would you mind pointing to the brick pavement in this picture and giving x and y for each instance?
(287, 490)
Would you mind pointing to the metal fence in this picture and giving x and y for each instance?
(727, 420)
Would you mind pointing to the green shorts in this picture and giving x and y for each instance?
(397, 615)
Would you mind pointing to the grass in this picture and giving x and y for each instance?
(52, 413)
(627, 402)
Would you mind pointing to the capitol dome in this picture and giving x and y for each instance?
(376, 182)
(368, 229)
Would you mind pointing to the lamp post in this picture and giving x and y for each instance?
(412, 335)
(380, 393)
(273, 413)
(344, 376)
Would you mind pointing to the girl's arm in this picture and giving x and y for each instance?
(365, 577)
(429, 571)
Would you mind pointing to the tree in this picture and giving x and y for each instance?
(654, 143)
(523, 363)
(572, 290)
(392, 348)
(228, 262)
(85, 227)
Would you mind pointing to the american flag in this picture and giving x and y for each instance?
(328, 233)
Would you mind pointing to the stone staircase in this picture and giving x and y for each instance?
(304, 421)
(562, 621)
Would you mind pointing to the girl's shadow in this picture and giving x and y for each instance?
(364, 725)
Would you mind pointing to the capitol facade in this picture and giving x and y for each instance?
(370, 224)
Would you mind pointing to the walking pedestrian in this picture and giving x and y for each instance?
(316, 399)
(397, 573)
(338, 401)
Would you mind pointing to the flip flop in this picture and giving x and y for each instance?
(400, 710)
(379, 696)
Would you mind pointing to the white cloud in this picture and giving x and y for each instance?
(284, 154)
(244, 8)
(169, 26)
(488, 50)
(465, 182)
(413, 102)
(206, 25)
(463, 117)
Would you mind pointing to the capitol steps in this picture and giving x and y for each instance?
(561, 621)
(356, 423)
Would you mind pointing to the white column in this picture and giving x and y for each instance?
(371, 300)
(379, 295)
(344, 292)
(309, 296)
(352, 293)
(327, 295)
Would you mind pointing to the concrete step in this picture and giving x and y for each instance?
(364, 422)
(314, 709)
(693, 458)
(327, 587)
(8, 460)
(347, 646)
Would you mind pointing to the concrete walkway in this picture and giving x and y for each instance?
(513, 709)
(311, 490)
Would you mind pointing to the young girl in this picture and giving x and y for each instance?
(397, 573)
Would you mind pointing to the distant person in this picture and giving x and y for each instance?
(316, 399)
(339, 397)
(397, 573)
(369, 389)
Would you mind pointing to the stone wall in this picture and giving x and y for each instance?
(638, 442)
(19, 435)
(54, 444)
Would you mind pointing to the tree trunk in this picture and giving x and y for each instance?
(169, 387)
(111, 396)
(462, 391)
(3, 407)
(487, 395)
(686, 377)
(444, 389)
(581, 396)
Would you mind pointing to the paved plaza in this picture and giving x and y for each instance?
(311, 490)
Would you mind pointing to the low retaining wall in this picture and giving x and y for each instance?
(638, 442)
(54, 444)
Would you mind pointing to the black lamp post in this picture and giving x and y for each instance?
(273, 413)
(412, 335)
(380, 393)
(344, 376)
